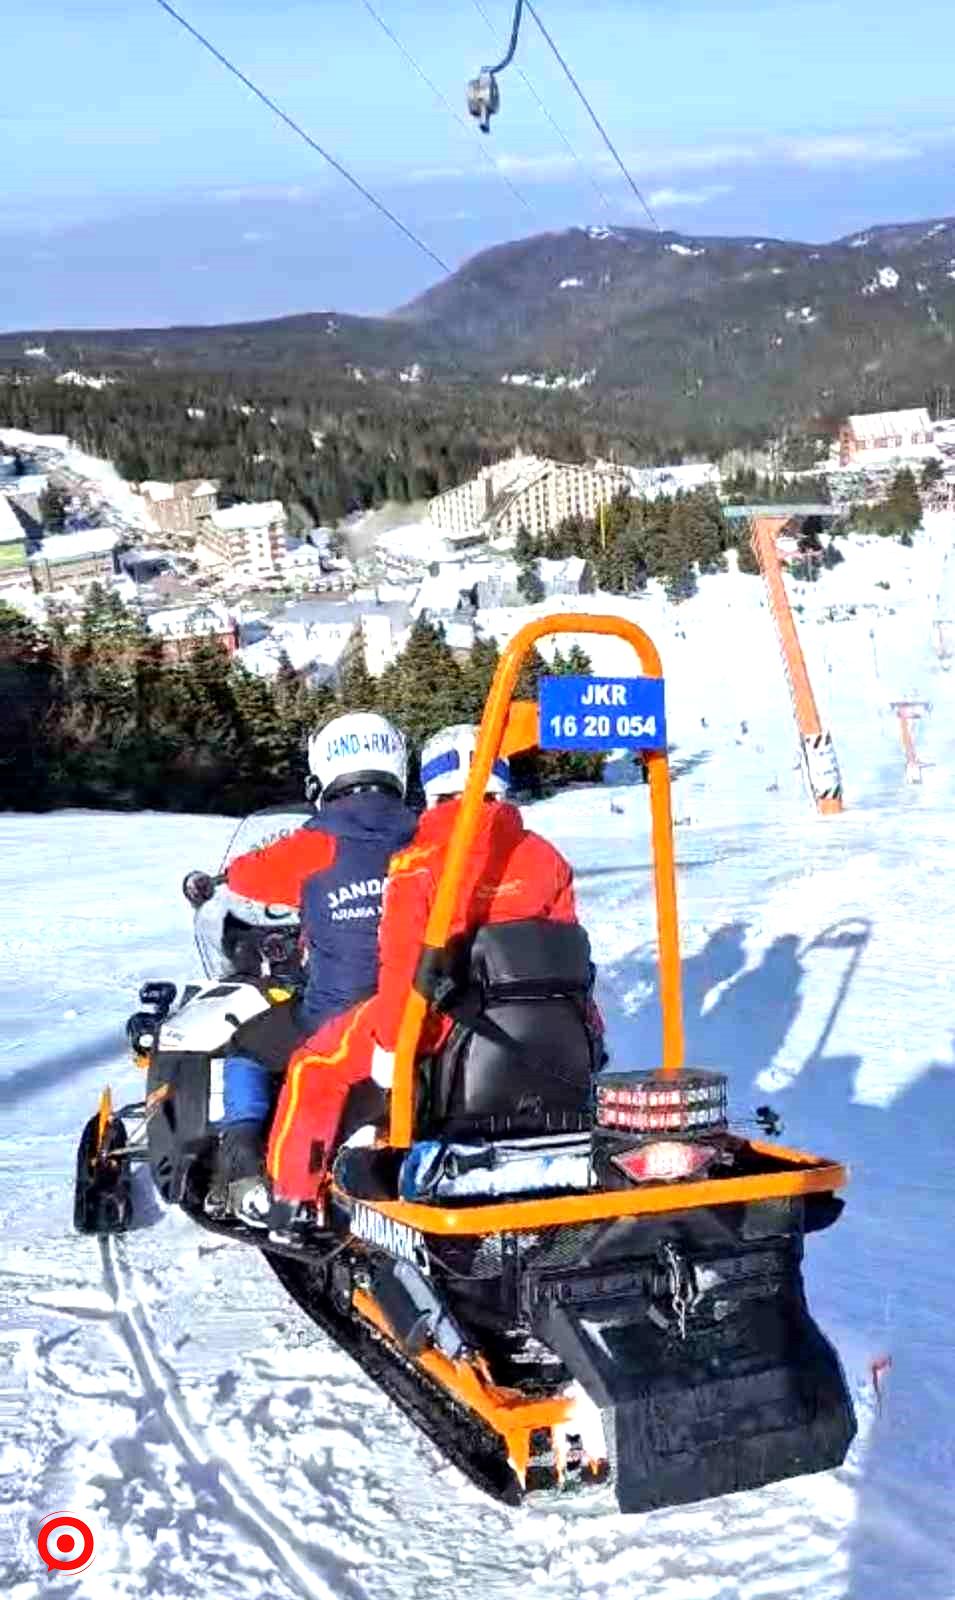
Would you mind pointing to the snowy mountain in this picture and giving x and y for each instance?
(165, 1387)
(669, 329)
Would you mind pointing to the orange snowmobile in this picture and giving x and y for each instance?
(565, 1276)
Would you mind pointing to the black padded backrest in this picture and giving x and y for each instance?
(521, 1058)
(532, 956)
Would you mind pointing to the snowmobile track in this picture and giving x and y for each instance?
(240, 1504)
(476, 1451)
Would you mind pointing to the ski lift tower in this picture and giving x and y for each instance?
(943, 638)
(909, 712)
(818, 754)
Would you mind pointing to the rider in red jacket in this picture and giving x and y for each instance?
(512, 874)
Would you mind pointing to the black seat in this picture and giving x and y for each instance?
(522, 1054)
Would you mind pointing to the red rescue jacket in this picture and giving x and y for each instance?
(512, 873)
(334, 870)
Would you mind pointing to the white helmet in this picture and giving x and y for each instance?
(446, 761)
(355, 750)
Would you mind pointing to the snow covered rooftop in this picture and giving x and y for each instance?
(650, 482)
(10, 526)
(83, 380)
(885, 424)
(192, 488)
(316, 644)
(441, 594)
(186, 622)
(304, 556)
(30, 483)
(256, 514)
(459, 635)
(76, 546)
(569, 570)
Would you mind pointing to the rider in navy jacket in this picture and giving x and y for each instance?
(333, 868)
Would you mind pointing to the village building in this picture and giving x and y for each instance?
(13, 545)
(182, 628)
(248, 540)
(881, 435)
(144, 565)
(179, 507)
(74, 560)
(320, 638)
(524, 491)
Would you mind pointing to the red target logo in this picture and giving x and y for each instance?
(65, 1543)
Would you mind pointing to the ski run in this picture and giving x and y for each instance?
(161, 1384)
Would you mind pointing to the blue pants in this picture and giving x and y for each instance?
(247, 1091)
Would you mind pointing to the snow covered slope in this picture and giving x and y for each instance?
(165, 1385)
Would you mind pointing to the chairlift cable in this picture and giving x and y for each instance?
(515, 34)
(604, 201)
(485, 153)
(593, 116)
(313, 144)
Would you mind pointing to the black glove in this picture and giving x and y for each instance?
(198, 887)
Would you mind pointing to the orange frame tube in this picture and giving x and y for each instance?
(493, 726)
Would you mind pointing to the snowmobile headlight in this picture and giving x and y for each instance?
(141, 1031)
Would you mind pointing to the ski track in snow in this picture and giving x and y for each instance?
(223, 1446)
(165, 1385)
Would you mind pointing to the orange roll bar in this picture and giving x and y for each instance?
(493, 726)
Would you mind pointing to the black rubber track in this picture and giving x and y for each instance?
(464, 1440)
(461, 1438)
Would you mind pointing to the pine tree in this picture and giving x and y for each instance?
(422, 691)
(27, 701)
(903, 505)
(207, 768)
(53, 504)
(357, 689)
(529, 583)
(745, 554)
(477, 675)
(524, 549)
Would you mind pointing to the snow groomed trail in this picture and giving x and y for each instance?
(164, 1384)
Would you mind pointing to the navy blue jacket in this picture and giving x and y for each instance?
(334, 869)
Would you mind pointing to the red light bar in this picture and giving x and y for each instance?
(647, 1102)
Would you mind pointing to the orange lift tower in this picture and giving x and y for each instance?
(909, 712)
(942, 638)
(819, 756)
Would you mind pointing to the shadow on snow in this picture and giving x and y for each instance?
(881, 1281)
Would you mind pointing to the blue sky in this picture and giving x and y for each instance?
(144, 185)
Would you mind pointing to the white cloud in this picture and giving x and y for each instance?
(688, 197)
(662, 162)
(254, 237)
(264, 191)
(828, 150)
(437, 174)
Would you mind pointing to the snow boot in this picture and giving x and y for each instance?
(249, 1201)
(291, 1222)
